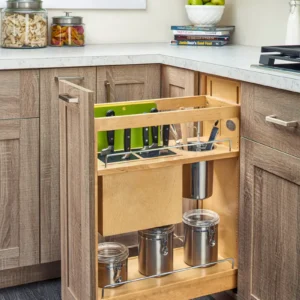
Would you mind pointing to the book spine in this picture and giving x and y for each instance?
(199, 28)
(199, 43)
(201, 37)
(187, 32)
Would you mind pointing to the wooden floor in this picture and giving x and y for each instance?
(51, 290)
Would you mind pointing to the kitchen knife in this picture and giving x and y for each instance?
(212, 137)
(127, 143)
(110, 137)
(145, 138)
(166, 138)
(154, 131)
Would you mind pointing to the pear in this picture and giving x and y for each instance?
(218, 2)
(195, 2)
(206, 1)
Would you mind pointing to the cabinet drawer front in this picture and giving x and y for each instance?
(261, 102)
(19, 94)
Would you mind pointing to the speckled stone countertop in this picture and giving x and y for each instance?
(231, 61)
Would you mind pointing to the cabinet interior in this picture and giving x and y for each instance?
(192, 283)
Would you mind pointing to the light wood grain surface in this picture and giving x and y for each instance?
(260, 102)
(181, 286)
(49, 149)
(269, 228)
(19, 193)
(127, 83)
(19, 94)
(77, 194)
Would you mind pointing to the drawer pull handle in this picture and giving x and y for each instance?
(273, 119)
(69, 99)
(107, 89)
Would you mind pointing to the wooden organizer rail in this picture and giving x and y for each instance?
(83, 210)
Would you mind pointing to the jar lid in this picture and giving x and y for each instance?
(158, 230)
(112, 253)
(201, 218)
(24, 4)
(67, 19)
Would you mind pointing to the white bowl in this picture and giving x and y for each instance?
(205, 15)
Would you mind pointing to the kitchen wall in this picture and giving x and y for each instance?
(258, 22)
(133, 26)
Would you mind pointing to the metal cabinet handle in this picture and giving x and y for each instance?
(58, 78)
(107, 88)
(273, 119)
(69, 99)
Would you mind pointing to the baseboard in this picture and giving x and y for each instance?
(24, 275)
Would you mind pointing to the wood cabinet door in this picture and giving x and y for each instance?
(269, 230)
(78, 194)
(19, 193)
(19, 94)
(126, 83)
(49, 147)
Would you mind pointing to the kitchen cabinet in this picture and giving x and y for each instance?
(19, 94)
(269, 236)
(82, 192)
(124, 83)
(19, 193)
(49, 153)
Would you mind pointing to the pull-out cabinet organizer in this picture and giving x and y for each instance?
(135, 195)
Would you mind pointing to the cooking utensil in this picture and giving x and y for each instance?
(110, 137)
(212, 137)
(156, 250)
(127, 143)
(201, 237)
(154, 130)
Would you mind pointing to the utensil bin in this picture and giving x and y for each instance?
(112, 263)
(156, 250)
(201, 237)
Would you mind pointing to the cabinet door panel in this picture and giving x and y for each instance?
(19, 94)
(49, 143)
(126, 83)
(269, 236)
(19, 193)
(78, 194)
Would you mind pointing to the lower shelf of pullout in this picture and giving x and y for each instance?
(180, 286)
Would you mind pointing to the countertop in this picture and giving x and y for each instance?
(231, 61)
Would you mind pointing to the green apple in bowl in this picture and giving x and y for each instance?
(195, 2)
(218, 2)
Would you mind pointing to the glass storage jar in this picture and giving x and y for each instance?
(67, 31)
(24, 24)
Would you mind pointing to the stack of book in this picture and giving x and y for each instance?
(201, 36)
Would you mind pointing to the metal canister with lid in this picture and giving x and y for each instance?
(112, 263)
(201, 237)
(67, 31)
(24, 24)
(156, 250)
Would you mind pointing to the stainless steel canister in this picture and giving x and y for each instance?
(201, 237)
(112, 263)
(201, 178)
(156, 250)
